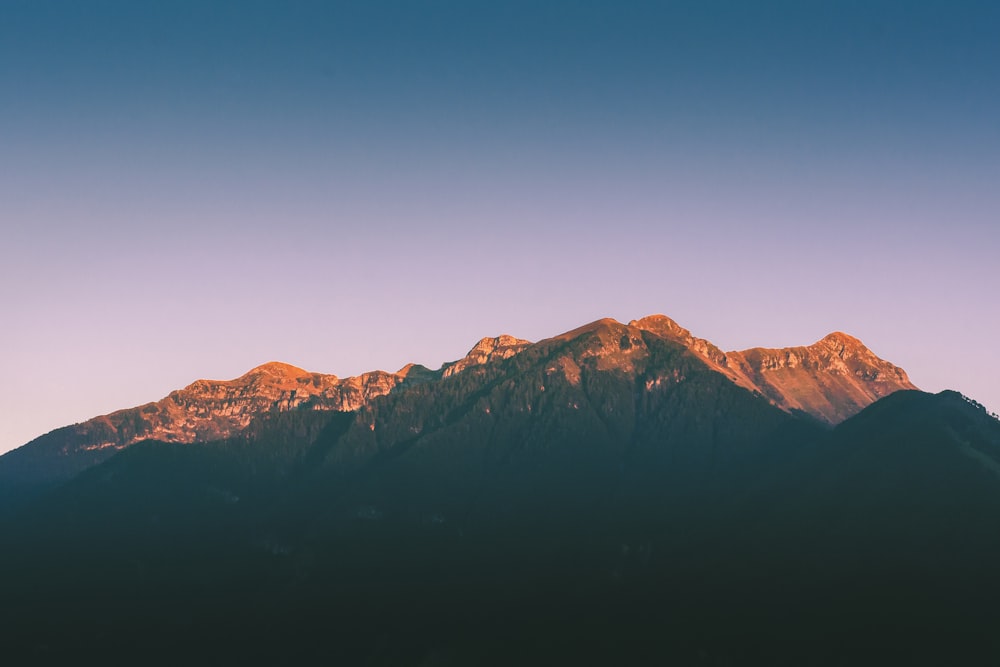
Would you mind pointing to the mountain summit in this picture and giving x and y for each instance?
(832, 379)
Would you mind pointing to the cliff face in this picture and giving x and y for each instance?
(203, 411)
(214, 409)
(831, 380)
(485, 351)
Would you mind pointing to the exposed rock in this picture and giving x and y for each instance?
(485, 351)
(214, 409)
(832, 379)
(663, 326)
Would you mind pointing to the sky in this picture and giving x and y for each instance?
(190, 189)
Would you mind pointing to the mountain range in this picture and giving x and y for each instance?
(829, 380)
(614, 494)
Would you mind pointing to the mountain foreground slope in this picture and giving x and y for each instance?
(619, 494)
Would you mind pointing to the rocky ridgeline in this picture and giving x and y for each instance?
(213, 409)
(830, 380)
(485, 351)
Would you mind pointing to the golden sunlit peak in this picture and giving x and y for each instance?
(659, 324)
(278, 368)
(841, 338)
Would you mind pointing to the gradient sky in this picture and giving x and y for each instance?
(189, 189)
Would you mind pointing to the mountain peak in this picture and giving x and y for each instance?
(488, 345)
(486, 350)
(832, 379)
(604, 324)
(840, 339)
(661, 325)
(277, 369)
(655, 320)
(416, 373)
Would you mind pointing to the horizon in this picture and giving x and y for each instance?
(194, 189)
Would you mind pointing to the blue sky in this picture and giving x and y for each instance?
(191, 189)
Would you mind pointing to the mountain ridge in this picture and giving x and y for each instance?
(829, 380)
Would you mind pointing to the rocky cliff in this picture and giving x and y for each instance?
(485, 351)
(214, 409)
(831, 380)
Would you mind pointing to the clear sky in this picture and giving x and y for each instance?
(189, 189)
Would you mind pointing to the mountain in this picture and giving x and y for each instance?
(617, 494)
(829, 380)
(832, 379)
(203, 411)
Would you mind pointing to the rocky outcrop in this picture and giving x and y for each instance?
(831, 380)
(203, 411)
(485, 351)
(663, 326)
(214, 409)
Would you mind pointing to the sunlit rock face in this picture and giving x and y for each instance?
(664, 327)
(204, 411)
(831, 380)
(213, 409)
(485, 351)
